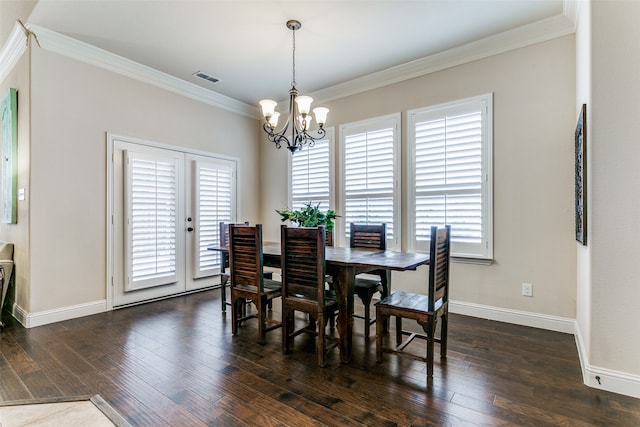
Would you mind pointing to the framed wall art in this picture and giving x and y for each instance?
(9, 120)
(581, 176)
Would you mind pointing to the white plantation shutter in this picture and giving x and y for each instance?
(451, 150)
(151, 209)
(310, 176)
(370, 174)
(214, 191)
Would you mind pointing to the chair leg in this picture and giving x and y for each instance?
(366, 296)
(429, 329)
(287, 327)
(261, 306)
(398, 330)
(235, 311)
(320, 323)
(367, 318)
(223, 291)
(379, 327)
(443, 334)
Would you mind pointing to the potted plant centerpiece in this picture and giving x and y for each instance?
(310, 216)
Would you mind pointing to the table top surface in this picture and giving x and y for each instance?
(387, 260)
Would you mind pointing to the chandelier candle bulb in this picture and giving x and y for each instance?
(298, 120)
(268, 107)
(304, 104)
(321, 115)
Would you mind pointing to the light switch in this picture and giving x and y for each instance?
(20, 193)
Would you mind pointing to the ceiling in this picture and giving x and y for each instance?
(248, 47)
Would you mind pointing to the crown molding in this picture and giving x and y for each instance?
(538, 32)
(12, 50)
(526, 35)
(571, 10)
(70, 47)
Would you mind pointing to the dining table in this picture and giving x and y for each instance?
(343, 264)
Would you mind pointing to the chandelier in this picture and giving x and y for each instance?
(299, 118)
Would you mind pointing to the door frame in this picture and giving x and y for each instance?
(110, 144)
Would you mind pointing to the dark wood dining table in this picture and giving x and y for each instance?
(343, 264)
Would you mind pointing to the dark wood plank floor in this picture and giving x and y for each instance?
(175, 363)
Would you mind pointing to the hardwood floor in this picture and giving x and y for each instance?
(175, 363)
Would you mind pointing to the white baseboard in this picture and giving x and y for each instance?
(31, 320)
(605, 379)
(517, 317)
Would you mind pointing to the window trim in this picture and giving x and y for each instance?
(487, 170)
(395, 120)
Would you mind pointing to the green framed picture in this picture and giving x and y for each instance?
(9, 120)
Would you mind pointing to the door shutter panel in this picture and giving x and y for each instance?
(214, 191)
(151, 220)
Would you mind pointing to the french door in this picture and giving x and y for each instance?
(166, 206)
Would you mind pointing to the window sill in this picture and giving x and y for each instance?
(479, 261)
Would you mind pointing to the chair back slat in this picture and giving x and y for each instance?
(439, 265)
(245, 256)
(303, 262)
(368, 236)
(224, 242)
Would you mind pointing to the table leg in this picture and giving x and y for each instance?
(385, 278)
(344, 282)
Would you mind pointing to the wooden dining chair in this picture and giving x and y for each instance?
(224, 264)
(247, 280)
(370, 237)
(303, 286)
(425, 309)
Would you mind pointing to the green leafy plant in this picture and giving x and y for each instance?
(309, 216)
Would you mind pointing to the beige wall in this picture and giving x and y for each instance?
(583, 96)
(74, 106)
(18, 233)
(615, 207)
(10, 11)
(534, 100)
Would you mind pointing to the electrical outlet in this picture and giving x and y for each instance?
(527, 289)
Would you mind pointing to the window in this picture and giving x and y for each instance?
(312, 174)
(449, 154)
(371, 184)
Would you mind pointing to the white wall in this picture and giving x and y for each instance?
(534, 104)
(74, 105)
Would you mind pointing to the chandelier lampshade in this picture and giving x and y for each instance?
(299, 119)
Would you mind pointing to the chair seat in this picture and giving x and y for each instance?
(408, 301)
(330, 298)
(366, 282)
(271, 288)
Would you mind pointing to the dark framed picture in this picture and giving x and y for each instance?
(581, 176)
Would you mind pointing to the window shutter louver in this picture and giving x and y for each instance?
(450, 149)
(151, 220)
(369, 177)
(310, 180)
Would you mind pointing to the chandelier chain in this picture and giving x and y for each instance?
(293, 83)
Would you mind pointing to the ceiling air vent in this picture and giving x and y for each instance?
(206, 76)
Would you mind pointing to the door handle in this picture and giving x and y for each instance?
(189, 228)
